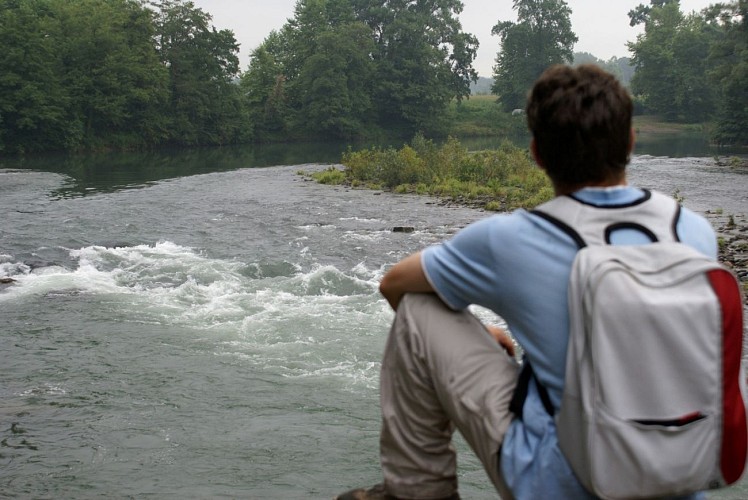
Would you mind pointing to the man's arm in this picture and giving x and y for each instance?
(405, 276)
(408, 276)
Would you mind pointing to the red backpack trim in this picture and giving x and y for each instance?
(735, 430)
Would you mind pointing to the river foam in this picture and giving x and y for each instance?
(297, 322)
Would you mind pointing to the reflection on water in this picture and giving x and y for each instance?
(681, 145)
(109, 172)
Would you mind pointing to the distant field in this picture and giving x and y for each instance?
(651, 124)
(480, 116)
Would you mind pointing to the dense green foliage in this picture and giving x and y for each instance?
(100, 74)
(95, 74)
(729, 73)
(480, 116)
(204, 104)
(350, 68)
(541, 37)
(670, 58)
(132, 74)
(75, 74)
(619, 66)
(693, 68)
(496, 180)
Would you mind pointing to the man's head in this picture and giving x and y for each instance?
(580, 119)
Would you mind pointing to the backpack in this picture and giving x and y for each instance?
(654, 397)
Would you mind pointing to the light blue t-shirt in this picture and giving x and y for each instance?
(518, 266)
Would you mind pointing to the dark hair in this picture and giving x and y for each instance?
(580, 118)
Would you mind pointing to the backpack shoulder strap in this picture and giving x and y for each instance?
(654, 214)
(561, 225)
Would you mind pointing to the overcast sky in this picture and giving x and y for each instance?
(601, 25)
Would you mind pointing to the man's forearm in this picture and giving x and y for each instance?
(405, 276)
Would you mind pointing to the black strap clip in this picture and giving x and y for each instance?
(517, 404)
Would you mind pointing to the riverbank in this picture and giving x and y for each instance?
(732, 236)
(650, 124)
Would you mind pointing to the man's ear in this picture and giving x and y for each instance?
(534, 153)
(632, 140)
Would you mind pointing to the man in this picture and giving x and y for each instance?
(442, 369)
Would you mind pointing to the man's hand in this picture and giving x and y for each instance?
(502, 337)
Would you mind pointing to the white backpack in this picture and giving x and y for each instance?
(654, 396)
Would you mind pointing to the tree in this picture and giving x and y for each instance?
(671, 61)
(313, 77)
(78, 75)
(345, 68)
(423, 59)
(312, 20)
(263, 86)
(335, 83)
(729, 61)
(618, 66)
(205, 104)
(95, 74)
(541, 37)
(32, 101)
(329, 69)
(112, 76)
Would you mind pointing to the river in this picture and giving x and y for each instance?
(207, 324)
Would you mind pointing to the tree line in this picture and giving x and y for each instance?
(693, 68)
(94, 74)
(131, 74)
(353, 68)
(687, 67)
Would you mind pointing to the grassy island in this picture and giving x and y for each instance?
(497, 180)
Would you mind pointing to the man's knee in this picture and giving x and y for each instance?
(431, 329)
(422, 301)
(428, 306)
(429, 309)
(426, 316)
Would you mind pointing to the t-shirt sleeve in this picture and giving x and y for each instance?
(461, 269)
(695, 231)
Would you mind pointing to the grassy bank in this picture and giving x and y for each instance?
(497, 180)
(481, 116)
(651, 124)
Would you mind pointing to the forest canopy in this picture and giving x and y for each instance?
(352, 68)
(694, 67)
(96, 74)
(133, 74)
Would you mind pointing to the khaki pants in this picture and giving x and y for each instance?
(441, 370)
